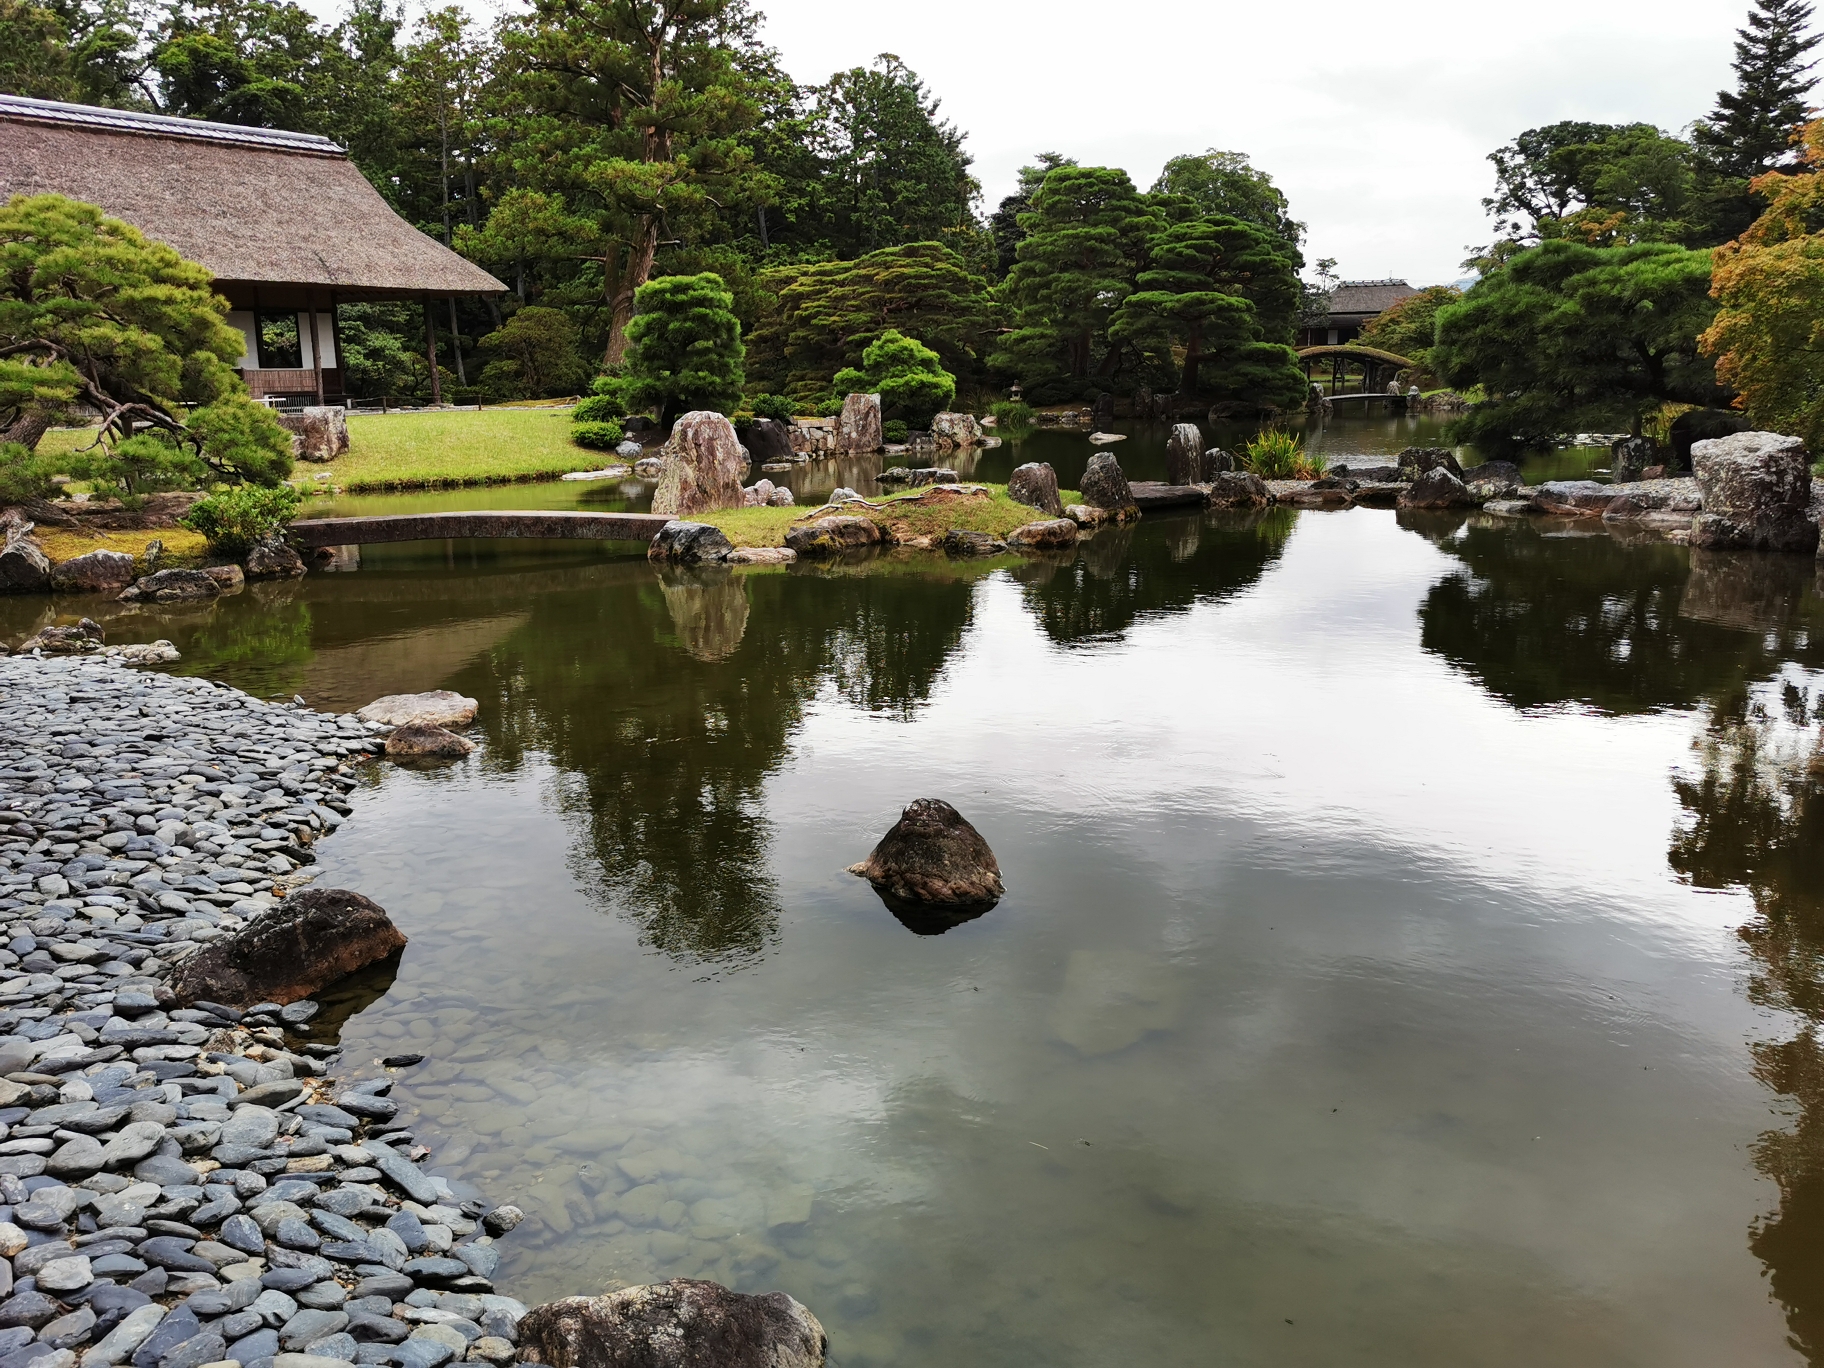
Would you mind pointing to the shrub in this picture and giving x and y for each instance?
(616, 387)
(908, 376)
(541, 346)
(464, 395)
(1273, 454)
(598, 408)
(597, 436)
(774, 406)
(23, 475)
(684, 349)
(829, 408)
(894, 430)
(1011, 413)
(237, 519)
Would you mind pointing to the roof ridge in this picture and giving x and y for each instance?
(25, 109)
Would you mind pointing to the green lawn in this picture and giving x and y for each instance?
(489, 446)
(998, 515)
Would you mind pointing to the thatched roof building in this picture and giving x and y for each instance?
(1353, 305)
(286, 222)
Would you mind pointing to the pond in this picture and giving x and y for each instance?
(1413, 951)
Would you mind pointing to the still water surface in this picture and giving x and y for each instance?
(1412, 954)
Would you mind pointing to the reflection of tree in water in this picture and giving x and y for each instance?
(1121, 575)
(667, 717)
(260, 639)
(1623, 627)
(1757, 822)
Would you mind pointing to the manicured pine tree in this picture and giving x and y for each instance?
(684, 347)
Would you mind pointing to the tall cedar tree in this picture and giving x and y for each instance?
(1752, 127)
(1226, 183)
(632, 111)
(1086, 236)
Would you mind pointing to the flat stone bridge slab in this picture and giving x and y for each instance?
(533, 522)
(1151, 494)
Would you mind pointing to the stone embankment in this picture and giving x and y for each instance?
(183, 1180)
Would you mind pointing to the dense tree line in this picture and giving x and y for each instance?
(584, 148)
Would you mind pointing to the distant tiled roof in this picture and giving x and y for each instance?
(1368, 296)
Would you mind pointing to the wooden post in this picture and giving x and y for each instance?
(430, 348)
(316, 347)
(462, 375)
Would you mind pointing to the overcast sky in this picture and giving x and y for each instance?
(1375, 119)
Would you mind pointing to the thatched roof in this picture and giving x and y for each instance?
(1366, 298)
(256, 206)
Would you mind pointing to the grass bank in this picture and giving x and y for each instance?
(429, 450)
(182, 546)
(997, 515)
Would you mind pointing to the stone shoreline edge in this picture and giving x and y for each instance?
(183, 1186)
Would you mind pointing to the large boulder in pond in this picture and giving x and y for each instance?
(955, 430)
(1054, 534)
(703, 466)
(436, 708)
(1437, 488)
(1415, 461)
(1629, 458)
(1184, 455)
(94, 572)
(933, 857)
(1756, 488)
(833, 535)
(422, 741)
(274, 558)
(294, 951)
(769, 441)
(858, 428)
(1239, 489)
(684, 1323)
(689, 543)
(24, 568)
(1105, 487)
(1035, 484)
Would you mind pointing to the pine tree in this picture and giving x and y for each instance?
(1751, 129)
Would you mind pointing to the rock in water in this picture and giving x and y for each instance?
(1630, 456)
(933, 857)
(96, 572)
(1437, 488)
(1035, 484)
(689, 542)
(84, 637)
(422, 741)
(769, 440)
(830, 536)
(1215, 461)
(273, 558)
(438, 708)
(1105, 487)
(24, 568)
(300, 947)
(1056, 534)
(684, 1323)
(959, 541)
(858, 426)
(1415, 461)
(1757, 493)
(174, 586)
(1239, 489)
(955, 429)
(1184, 455)
(930, 475)
(703, 466)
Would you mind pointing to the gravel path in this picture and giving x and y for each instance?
(181, 1187)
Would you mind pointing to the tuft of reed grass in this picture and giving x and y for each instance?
(1274, 454)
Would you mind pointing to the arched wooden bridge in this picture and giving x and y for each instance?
(1378, 367)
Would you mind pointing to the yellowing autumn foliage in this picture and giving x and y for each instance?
(1768, 335)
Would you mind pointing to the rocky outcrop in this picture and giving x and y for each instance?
(684, 1323)
(930, 475)
(1054, 534)
(766, 494)
(318, 434)
(833, 535)
(1239, 489)
(1105, 487)
(24, 568)
(933, 856)
(689, 542)
(769, 440)
(1035, 484)
(313, 938)
(858, 428)
(422, 741)
(1215, 461)
(86, 636)
(1630, 458)
(703, 466)
(955, 430)
(273, 558)
(961, 542)
(172, 586)
(231, 578)
(94, 572)
(1437, 487)
(437, 708)
(1415, 461)
(761, 555)
(1184, 455)
(1756, 489)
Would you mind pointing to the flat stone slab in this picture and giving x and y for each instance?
(534, 523)
(1153, 494)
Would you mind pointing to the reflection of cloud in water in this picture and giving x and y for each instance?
(1111, 998)
(406, 662)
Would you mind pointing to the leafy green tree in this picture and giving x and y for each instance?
(88, 51)
(684, 347)
(1753, 127)
(632, 110)
(92, 311)
(1410, 327)
(1226, 183)
(1004, 224)
(1086, 237)
(255, 62)
(1568, 337)
(908, 376)
(1213, 289)
(538, 354)
(35, 56)
(891, 170)
(827, 314)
